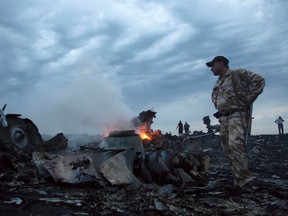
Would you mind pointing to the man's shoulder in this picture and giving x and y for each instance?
(239, 71)
(244, 73)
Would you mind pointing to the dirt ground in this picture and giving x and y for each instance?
(269, 196)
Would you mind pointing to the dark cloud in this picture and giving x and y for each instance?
(139, 55)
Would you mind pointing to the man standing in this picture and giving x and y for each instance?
(180, 128)
(279, 121)
(233, 95)
(187, 128)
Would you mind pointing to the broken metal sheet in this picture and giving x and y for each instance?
(56, 143)
(125, 142)
(118, 170)
(185, 177)
(68, 168)
(172, 167)
(104, 167)
(160, 172)
(16, 201)
(157, 165)
(61, 168)
(59, 200)
(38, 160)
(141, 168)
(206, 161)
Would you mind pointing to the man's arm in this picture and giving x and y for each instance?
(256, 85)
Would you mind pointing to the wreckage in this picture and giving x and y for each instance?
(119, 159)
(32, 183)
(17, 132)
(143, 122)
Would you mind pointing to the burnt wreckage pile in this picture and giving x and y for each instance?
(124, 175)
(116, 160)
(23, 190)
(119, 159)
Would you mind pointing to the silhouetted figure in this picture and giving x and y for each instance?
(279, 121)
(186, 128)
(210, 128)
(207, 121)
(180, 128)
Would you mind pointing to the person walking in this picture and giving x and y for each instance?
(279, 121)
(233, 95)
(180, 128)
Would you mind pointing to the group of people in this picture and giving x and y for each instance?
(279, 121)
(180, 128)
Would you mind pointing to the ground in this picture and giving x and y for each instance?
(269, 196)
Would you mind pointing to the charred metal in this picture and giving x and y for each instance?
(122, 174)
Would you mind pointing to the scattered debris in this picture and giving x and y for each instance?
(176, 176)
(115, 163)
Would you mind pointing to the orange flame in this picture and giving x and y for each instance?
(144, 136)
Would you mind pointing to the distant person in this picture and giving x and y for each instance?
(279, 121)
(180, 128)
(186, 128)
(207, 122)
(233, 94)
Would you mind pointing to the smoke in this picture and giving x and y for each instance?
(89, 104)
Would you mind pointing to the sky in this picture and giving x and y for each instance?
(90, 66)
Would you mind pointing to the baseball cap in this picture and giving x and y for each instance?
(217, 59)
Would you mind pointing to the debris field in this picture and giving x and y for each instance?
(32, 184)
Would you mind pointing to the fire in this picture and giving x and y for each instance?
(145, 136)
(150, 136)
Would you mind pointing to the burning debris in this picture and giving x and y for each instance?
(143, 123)
(105, 179)
(113, 162)
(24, 191)
(127, 139)
(173, 175)
(120, 159)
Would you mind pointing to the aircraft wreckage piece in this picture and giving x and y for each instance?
(124, 166)
(127, 139)
(171, 167)
(104, 167)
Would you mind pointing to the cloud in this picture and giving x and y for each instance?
(166, 44)
(141, 54)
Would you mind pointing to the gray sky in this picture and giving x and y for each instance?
(90, 66)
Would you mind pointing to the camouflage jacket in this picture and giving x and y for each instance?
(248, 86)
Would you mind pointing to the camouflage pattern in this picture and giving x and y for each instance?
(248, 86)
(232, 140)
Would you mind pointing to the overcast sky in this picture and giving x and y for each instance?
(90, 66)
